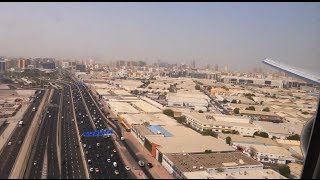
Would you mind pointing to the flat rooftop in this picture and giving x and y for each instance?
(122, 107)
(186, 162)
(146, 107)
(153, 119)
(121, 92)
(143, 130)
(260, 113)
(271, 127)
(249, 140)
(272, 150)
(252, 174)
(219, 120)
(189, 144)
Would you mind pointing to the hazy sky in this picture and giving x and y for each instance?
(232, 34)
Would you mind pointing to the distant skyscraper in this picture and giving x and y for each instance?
(3, 66)
(193, 64)
(216, 67)
(23, 63)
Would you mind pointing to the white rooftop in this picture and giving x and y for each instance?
(122, 107)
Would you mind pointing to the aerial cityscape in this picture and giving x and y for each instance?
(129, 116)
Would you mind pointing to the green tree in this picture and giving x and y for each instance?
(236, 110)
(261, 134)
(224, 101)
(168, 112)
(250, 97)
(228, 140)
(284, 170)
(266, 109)
(135, 92)
(181, 119)
(294, 137)
(209, 132)
(234, 101)
(220, 170)
(264, 134)
(251, 108)
(235, 132)
(197, 87)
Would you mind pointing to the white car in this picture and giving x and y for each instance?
(91, 169)
(108, 160)
(116, 172)
(127, 168)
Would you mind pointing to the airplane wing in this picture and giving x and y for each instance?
(311, 131)
(311, 78)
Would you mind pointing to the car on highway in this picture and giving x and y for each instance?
(98, 144)
(114, 150)
(127, 168)
(141, 163)
(97, 170)
(84, 145)
(116, 172)
(115, 164)
(89, 161)
(9, 143)
(150, 165)
(91, 169)
(108, 160)
(35, 163)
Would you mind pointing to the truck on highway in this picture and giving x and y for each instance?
(141, 163)
(106, 136)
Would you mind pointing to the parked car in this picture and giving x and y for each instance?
(150, 165)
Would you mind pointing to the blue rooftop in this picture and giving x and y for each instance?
(155, 129)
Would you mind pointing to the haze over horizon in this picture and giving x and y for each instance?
(238, 35)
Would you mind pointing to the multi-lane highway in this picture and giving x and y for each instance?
(46, 144)
(100, 153)
(117, 129)
(10, 152)
(72, 164)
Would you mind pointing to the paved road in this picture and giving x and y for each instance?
(46, 141)
(72, 166)
(215, 103)
(102, 156)
(10, 153)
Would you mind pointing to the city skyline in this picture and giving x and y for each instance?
(209, 33)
